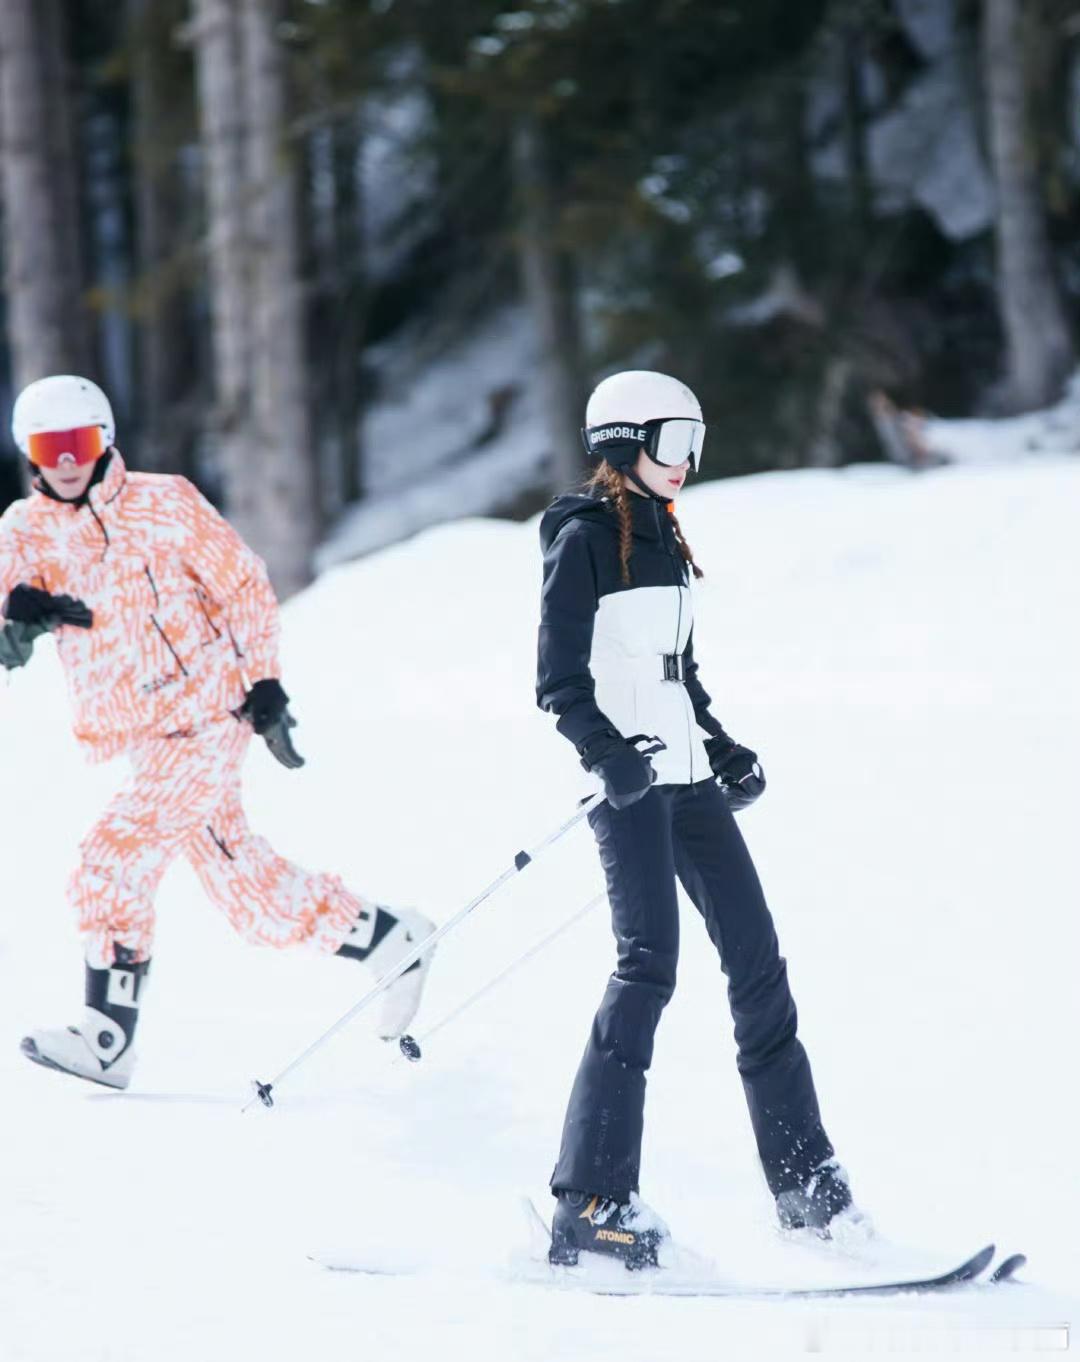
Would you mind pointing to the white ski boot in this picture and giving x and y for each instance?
(395, 933)
(96, 1049)
(100, 1047)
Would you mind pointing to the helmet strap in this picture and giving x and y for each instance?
(101, 467)
(618, 443)
(631, 472)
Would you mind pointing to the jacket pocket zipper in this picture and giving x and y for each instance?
(206, 616)
(168, 644)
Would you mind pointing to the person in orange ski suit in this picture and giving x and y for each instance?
(167, 629)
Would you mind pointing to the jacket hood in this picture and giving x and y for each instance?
(570, 506)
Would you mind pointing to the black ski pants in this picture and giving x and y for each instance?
(686, 830)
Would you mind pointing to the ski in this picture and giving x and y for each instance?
(1011, 1265)
(665, 1282)
(965, 1273)
(655, 1282)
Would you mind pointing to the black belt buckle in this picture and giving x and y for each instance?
(674, 667)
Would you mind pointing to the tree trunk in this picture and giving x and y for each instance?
(47, 326)
(823, 450)
(860, 193)
(267, 455)
(349, 246)
(166, 378)
(223, 136)
(64, 156)
(1039, 351)
(288, 463)
(336, 310)
(547, 272)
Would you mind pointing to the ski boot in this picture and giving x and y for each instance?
(822, 1204)
(380, 944)
(629, 1230)
(100, 1047)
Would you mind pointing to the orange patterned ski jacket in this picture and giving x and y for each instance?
(184, 614)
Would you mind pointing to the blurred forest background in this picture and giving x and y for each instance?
(354, 265)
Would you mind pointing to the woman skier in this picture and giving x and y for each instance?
(167, 629)
(616, 666)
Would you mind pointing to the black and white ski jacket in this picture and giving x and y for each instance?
(607, 650)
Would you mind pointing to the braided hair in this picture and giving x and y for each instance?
(610, 481)
(684, 548)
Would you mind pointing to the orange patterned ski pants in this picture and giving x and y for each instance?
(185, 799)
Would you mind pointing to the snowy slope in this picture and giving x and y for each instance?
(1056, 430)
(903, 653)
(433, 451)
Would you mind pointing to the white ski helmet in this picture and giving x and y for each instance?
(642, 409)
(61, 404)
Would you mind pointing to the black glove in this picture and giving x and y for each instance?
(627, 773)
(737, 769)
(266, 708)
(31, 606)
(29, 613)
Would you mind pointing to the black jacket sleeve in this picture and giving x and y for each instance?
(564, 684)
(699, 696)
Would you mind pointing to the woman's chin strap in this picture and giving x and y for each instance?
(631, 473)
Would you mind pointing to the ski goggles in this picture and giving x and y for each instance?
(669, 441)
(51, 448)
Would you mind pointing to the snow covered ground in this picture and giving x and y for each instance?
(903, 653)
(437, 404)
(1053, 431)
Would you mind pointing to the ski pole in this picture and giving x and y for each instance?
(263, 1091)
(411, 1046)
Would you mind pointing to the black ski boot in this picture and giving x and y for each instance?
(818, 1202)
(629, 1230)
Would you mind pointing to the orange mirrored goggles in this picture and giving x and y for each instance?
(51, 448)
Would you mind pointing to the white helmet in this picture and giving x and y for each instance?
(61, 402)
(640, 408)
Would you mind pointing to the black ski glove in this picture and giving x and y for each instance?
(626, 771)
(30, 613)
(266, 708)
(737, 769)
(31, 606)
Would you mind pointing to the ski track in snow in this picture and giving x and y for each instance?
(903, 654)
